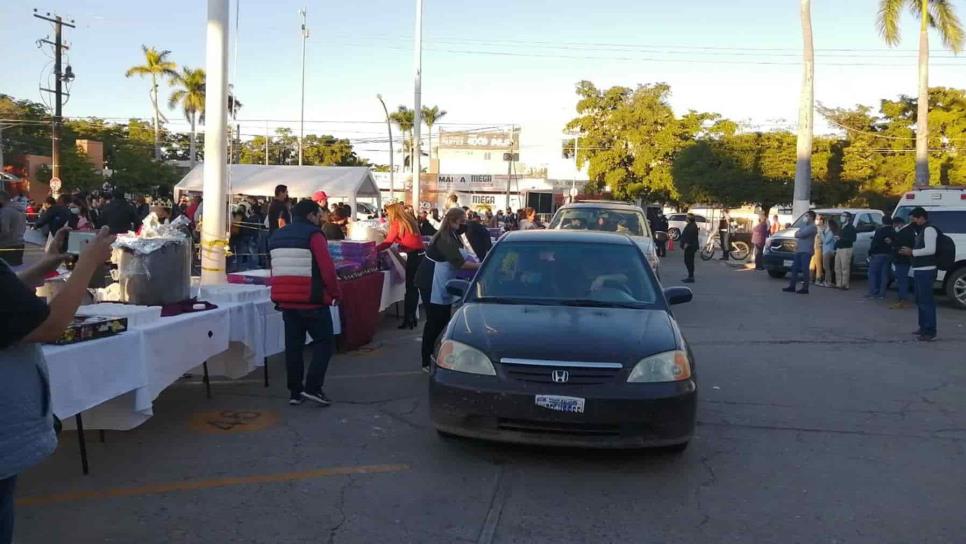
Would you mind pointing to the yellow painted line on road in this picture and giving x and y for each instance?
(194, 485)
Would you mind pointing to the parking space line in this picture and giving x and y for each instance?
(377, 375)
(194, 485)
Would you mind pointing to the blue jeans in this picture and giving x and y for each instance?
(903, 282)
(800, 266)
(925, 280)
(879, 275)
(318, 323)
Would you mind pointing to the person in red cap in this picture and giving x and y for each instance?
(321, 199)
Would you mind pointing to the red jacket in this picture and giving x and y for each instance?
(407, 242)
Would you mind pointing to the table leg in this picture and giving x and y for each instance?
(102, 436)
(207, 380)
(265, 370)
(82, 442)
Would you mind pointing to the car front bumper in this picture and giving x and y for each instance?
(615, 415)
(778, 260)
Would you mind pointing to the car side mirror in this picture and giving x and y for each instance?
(457, 288)
(678, 295)
(661, 236)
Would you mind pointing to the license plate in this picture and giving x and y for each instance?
(789, 263)
(573, 405)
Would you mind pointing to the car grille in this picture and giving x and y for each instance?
(575, 376)
(547, 427)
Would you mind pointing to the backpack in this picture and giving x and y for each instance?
(945, 251)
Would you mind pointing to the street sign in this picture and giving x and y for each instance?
(55, 184)
(511, 157)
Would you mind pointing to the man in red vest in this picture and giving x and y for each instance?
(304, 287)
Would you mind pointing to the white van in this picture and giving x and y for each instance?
(947, 211)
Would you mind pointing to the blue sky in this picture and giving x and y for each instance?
(486, 63)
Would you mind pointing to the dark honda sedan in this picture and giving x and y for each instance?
(565, 339)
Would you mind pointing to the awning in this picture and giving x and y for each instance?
(339, 182)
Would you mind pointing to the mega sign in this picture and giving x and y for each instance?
(480, 140)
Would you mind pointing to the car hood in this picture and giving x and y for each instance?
(564, 333)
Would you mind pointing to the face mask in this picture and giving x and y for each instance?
(75, 211)
(461, 230)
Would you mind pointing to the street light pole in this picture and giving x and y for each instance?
(392, 168)
(418, 113)
(305, 35)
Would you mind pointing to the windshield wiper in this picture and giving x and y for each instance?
(511, 300)
(592, 303)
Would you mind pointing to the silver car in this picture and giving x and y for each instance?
(780, 248)
(611, 216)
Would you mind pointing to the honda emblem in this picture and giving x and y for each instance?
(560, 376)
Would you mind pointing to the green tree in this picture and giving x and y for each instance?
(134, 171)
(940, 15)
(431, 116)
(405, 119)
(26, 130)
(76, 171)
(328, 150)
(629, 137)
(190, 96)
(156, 66)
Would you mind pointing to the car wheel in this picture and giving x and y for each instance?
(956, 287)
(777, 274)
(445, 435)
(676, 449)
(674, 233)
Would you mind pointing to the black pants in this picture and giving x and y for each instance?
(759, 257)
(661, 248)
(7, 486)
(689, 259)
(437, 317)
(318, 323)
(725, 244)
(413, 260)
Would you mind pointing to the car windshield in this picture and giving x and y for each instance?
(823, 215)
(565, 273)
(608, 220)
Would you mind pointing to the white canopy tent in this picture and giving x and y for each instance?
(346, 183)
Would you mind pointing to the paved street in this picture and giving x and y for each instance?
(820, 420)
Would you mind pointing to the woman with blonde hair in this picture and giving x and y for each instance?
(445, 256)
(404, 230)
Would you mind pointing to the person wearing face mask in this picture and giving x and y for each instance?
(444, 257)
(805, 247)
(80, 219)
(843, 252)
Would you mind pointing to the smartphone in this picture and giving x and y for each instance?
(77, 241)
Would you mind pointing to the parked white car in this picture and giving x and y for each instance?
(947, 211)
(677, 221)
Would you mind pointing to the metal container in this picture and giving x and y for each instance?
(155, 272)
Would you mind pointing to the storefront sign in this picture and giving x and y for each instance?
(480, 140)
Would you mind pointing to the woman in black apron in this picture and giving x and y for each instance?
(444, 257)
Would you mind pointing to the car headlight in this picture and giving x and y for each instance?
(459, 357)
(670, 366)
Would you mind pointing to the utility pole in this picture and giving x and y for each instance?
(305, 36)
(214, 233)
(392, 174)
(573, 186)
(266, 143)
(59, 77)
(509, 166)
(418, 113)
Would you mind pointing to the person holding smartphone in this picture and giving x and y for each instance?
(26, 421)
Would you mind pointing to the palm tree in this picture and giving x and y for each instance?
(156, 65)
(940, 15)
(801, 201)
(431, 116)
(405, 119)
(191, 97)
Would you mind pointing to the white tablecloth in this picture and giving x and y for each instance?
(87, 374)
(391, 292)
(150, 358)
